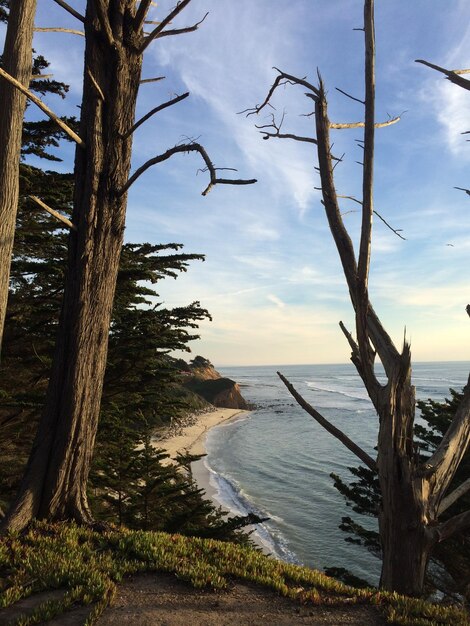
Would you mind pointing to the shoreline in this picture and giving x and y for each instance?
(191, 438)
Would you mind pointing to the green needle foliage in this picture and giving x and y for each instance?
(86, 566)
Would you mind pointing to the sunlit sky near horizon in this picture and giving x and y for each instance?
(271, 279)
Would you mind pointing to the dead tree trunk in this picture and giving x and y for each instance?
(17, 61)
(412, 490)
(54, 484)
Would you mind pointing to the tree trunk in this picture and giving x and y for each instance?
(17, 61)
(404, 534)
(406, 547)
(405, 509)
(54, 485)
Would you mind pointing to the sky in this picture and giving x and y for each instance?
(271, 279)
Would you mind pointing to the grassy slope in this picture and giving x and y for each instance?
(86, 565)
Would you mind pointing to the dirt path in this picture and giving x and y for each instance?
(160, 600)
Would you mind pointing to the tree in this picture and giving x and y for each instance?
(141, 391)
(17, 61)
(54, 485)
(450, 561)
(413, 491)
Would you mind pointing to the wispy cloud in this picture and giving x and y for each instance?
(275, 300)
(229, 82)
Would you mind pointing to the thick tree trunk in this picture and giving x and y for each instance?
(54, 485)
(17, 61)
(406, 544)
(405, 532)
(405, 509)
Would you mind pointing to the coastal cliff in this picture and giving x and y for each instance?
(204, 380)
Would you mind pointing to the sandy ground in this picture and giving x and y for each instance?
(192, 438)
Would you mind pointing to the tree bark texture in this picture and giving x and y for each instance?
(54, 485)
(17, 61)
(404, 514)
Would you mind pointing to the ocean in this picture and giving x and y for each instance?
(276, 461)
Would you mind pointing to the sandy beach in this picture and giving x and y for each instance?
(191, 439)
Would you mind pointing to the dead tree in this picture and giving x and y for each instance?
(413, 491)
(456, 78)
(17, 61)
(54, 484)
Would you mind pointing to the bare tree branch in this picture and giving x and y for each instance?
(181, 31)
(289, 136)
(141, 14)
(184, 148)
(354, 448)
(151, 80)
(54, 213)
(60, 30)
(368, 170)
(348, 94)
(157, 109)
(43, 107)
(281, 80)
(349, 337)
(467, 191)
(449, 500)
(40, 76)
(104, 21)
(394, 230)
(95, 84)
(277, 128)
(389, 122)
(451, 75)
(350, 198)
(397, 231)
(365, 362)
(71, 10)
(453, 525)
(164, 23)
(340, 235)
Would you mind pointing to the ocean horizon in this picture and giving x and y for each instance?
(276, 460)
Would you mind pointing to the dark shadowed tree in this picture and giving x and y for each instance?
(17, 61)
(54, 484)
(413, 491)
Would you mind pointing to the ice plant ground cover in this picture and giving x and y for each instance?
(87, 566)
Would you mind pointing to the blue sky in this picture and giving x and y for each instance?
(272, 280)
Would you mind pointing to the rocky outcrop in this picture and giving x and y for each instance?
(206, 381)
(202, 369)
(221, 392)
